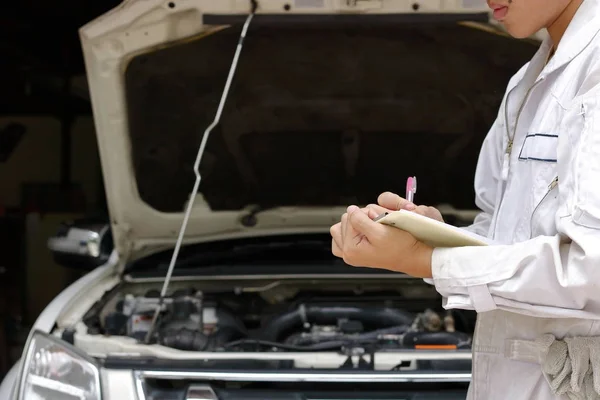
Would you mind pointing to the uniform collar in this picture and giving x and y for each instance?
(579, 34)
(538, 68)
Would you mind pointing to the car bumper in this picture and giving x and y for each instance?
(7, 388)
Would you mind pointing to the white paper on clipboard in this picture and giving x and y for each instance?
(432, 232)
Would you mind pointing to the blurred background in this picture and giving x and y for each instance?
(49, 166)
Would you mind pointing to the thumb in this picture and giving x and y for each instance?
(363, 224)
(392, 201)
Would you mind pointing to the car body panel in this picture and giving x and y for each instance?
(47, 320)
(8, 385)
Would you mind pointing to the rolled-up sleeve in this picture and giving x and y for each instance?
(547, 276)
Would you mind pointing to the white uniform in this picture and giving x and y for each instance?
(538, 186)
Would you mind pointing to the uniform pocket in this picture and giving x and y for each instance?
(539, 147)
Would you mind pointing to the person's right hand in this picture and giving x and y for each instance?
(388, 201)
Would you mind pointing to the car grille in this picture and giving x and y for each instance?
(193, 385)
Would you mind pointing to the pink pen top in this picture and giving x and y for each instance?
(411, 188)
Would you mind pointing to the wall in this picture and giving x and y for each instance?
(36, 159)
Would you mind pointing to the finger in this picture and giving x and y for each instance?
(336, 236)
(336, 249)
(375, 210)
(360, 224)
(394, 202)
(344, 227)
(351, 236)
(365, 210)
(429, 212)
(345, 220)
(422, 210)
(370, 212)
(373, 214)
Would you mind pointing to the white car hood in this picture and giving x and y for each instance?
(111, 44)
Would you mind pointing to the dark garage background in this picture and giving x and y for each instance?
(49, 167)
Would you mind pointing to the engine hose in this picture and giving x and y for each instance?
(228, 319)
(414, 339)
(411, 339)
(223, 336)
(293, 320)
(298, 340)
(332, 345)
(184, 339)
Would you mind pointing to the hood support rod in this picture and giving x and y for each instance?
(190, 205)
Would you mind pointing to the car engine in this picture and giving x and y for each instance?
(192, 321)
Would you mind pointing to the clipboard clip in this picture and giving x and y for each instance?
(380, 216)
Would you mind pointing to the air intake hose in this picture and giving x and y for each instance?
(293, 320)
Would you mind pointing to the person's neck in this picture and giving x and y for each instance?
(557, 28)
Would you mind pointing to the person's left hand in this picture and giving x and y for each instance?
(361, 242)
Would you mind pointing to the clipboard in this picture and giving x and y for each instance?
(430, 231)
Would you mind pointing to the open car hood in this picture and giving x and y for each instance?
(332, 103)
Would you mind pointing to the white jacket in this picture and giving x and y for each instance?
(540, 198)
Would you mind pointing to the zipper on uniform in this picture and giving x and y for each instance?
(551, 187)
(506, 160)
(509, 146)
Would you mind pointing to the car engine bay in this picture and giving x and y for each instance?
(281, 317)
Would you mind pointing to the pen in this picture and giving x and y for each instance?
(411, 188)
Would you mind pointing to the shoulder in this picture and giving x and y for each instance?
(587, 71)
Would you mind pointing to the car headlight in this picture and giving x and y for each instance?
(55, 370)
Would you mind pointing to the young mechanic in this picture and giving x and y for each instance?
(537, 184)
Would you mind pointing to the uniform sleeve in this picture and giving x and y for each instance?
(547, 276)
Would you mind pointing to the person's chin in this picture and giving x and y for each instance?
(517, 31)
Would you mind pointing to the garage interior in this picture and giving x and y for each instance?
(49, 166)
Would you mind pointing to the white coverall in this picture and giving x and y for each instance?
(538, 187)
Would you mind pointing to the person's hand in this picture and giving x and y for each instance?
(361, 242)
(388, 201)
